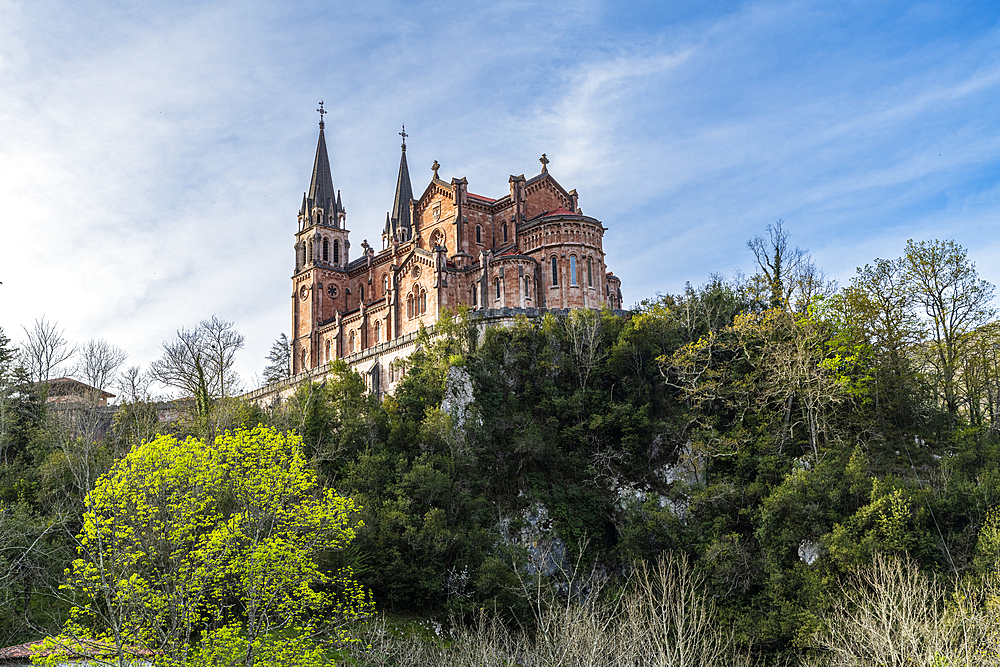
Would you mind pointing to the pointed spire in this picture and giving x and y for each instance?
(340, 205)
(404, 192)
(321, 192)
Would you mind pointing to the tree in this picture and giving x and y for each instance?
(99, 363)
(790, 277)
(877, 325)
(777, 262)
(200, 362)
(279, 360)
(44, 350)
(186, 537)
(945, 284)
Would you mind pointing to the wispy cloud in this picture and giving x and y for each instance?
(152, 156)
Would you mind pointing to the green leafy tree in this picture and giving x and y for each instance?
(947, 287)
(183, 538)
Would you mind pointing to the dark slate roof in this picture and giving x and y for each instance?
(321, 192)
(404, 193)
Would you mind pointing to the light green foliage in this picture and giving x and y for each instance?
(185, 536)
(889, 524)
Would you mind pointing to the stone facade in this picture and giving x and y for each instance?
(531, 249)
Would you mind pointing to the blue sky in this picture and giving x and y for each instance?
(153, 155)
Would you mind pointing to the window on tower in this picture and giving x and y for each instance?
(572, 270)
(479, 234)
(326, 250)
(590, 272)
(336, 252)
(555, 270)
(505, 232)
(496, 288)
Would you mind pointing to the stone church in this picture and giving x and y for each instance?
(529, 250)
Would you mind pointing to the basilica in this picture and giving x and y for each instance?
(528, 251)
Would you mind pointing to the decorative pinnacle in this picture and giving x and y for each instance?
(435, 168)
(545, 163)
(404, 135)
(322, 112)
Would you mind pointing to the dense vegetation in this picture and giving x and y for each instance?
(782, 436)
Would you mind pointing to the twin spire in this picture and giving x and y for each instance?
(321, 194)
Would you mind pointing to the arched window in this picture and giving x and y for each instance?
(350, 342)
(423, 301)
(527, 287)
(302, 360)
(505, 232)
(328, 350)
(310, 256)
(555, 270)
(326, 249)
(409, 306)
(496, 288)
(479, 234)
(572, 270)
(336, 252)
(362, 294)
(474, 294)
(590, 272)
(385, 284)
(378, 331)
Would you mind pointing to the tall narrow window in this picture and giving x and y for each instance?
(590, 272)
(479, 234)
(336, 252)
(362, 294)
(555, 271)
(409, 306)
(474, 290)
(572, 270)
(326, 250)
(385, 284)
(328, 350)
(378, 332)
(423, 302)
(505, 232)
(310, 256)
(350, 342)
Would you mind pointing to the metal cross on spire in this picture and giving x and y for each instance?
(545, 163)
(404, 135)
(322, 112)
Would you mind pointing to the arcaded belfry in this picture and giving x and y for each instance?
(531, 249)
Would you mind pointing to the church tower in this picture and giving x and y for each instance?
(319, 283)
(399, 223)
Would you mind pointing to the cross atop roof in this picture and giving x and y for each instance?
(322, 112)
(404, 135)
(545, 163)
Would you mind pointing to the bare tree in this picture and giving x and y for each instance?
(99, 363)
(200, 361)
(777, 262)
(133, 385)
(44, 350)
(279, 360)
(223, 341)
(584, 330)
